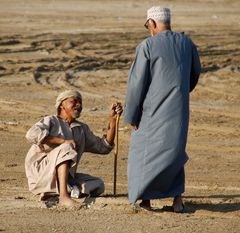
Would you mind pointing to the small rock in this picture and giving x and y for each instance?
(214, 17)
(103, 205)
(94, 109)
(19, 198)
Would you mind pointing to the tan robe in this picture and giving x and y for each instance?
(42, 159)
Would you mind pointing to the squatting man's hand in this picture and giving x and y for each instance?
(116, 109)
(71, 142)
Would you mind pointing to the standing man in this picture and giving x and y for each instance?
(165, 70)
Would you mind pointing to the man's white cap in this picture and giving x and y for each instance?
(65, 95)
(158, 13)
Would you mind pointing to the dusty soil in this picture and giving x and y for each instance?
(49, 46)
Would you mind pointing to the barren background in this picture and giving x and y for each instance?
(49, 46)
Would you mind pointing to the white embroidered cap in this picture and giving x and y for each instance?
(162, 14)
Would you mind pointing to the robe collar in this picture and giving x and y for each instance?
(75, 123)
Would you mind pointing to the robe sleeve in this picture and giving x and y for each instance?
(195, 68)
(39, 131)
(95, 144)
(138, 83)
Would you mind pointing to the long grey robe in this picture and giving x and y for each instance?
(42, 159)
(165, 70)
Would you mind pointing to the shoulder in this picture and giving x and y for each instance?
(144, 47)
(49, 121)
(80, 124)
(141, 45)
(146, 43)
(184, 36)
(46, 119)
(51, 118)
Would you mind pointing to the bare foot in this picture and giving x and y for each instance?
(42, 197)
(145, 204)
(178, 206)
(69, 203)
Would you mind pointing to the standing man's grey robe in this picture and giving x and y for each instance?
(165, 70)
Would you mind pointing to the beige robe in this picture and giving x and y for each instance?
(42, 159)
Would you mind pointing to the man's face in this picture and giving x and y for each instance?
(72, 107)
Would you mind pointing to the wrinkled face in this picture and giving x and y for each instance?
(72, 107)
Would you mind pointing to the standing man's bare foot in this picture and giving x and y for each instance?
(178, 206)
(68, 202)
(145, 204)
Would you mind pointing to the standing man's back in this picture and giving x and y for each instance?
(165, 70)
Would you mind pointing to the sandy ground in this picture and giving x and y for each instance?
(49, 46)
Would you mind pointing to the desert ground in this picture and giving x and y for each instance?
(49, 46)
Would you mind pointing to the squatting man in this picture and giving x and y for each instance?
(58, 141)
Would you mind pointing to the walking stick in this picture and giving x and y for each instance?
(115, 155)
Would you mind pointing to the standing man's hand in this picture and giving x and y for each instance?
(134, 127)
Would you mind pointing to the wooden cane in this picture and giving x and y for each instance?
(115, 155)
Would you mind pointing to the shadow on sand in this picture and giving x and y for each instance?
(224, 205)
(116, 195)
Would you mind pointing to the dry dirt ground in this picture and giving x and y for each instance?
(49, 46)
